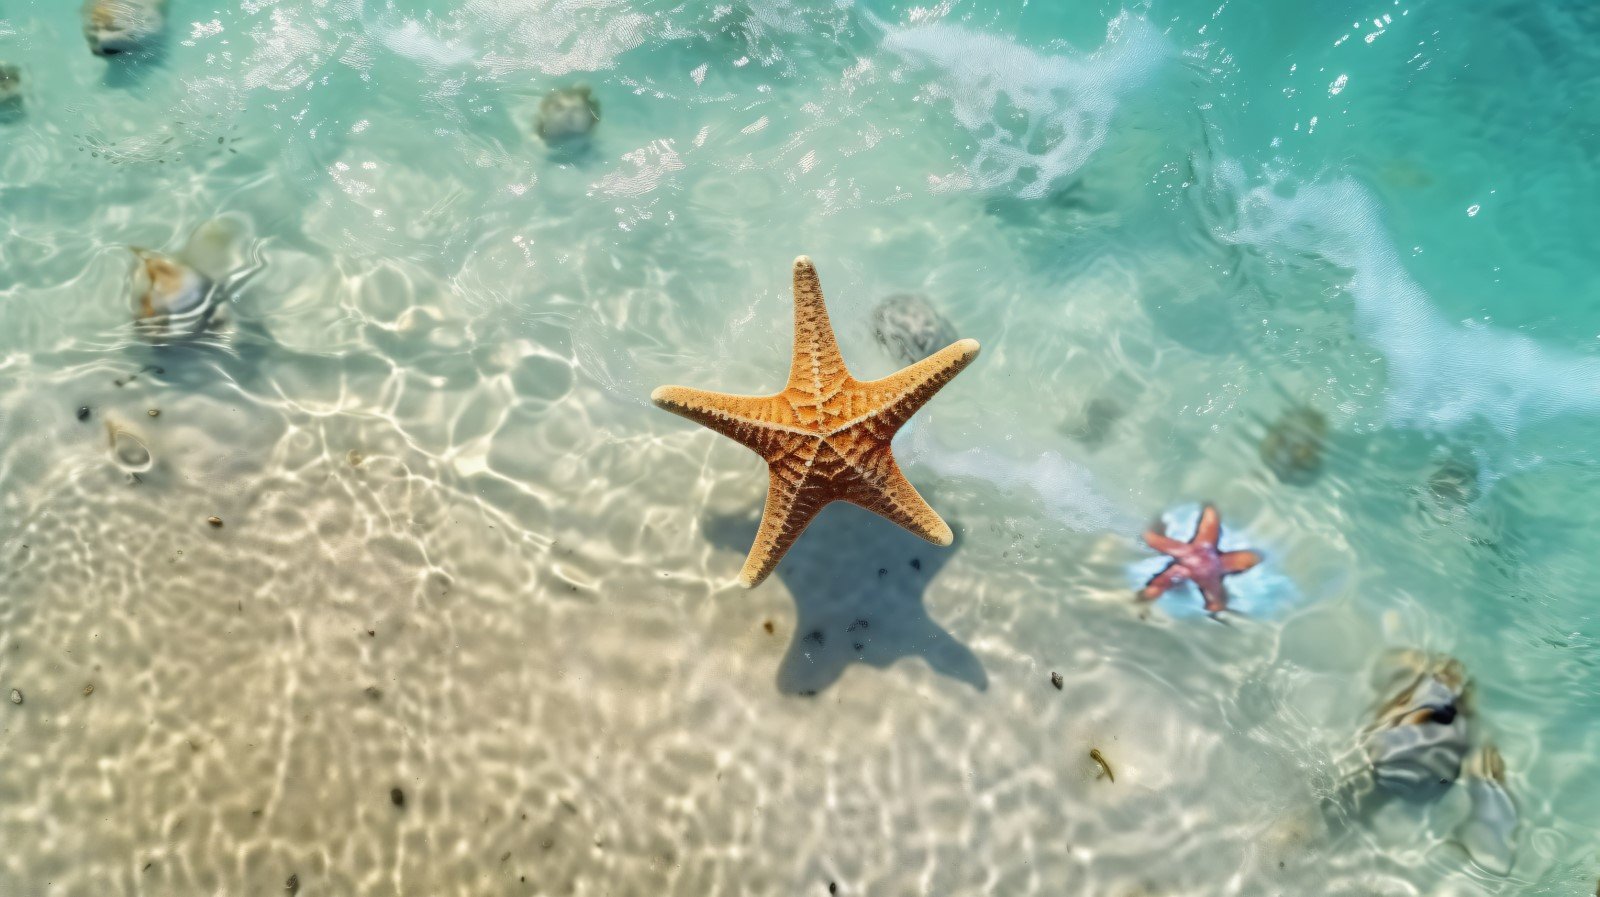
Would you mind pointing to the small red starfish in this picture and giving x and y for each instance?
(1197, 561)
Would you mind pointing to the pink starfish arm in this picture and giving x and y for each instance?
(1238, 561)
(1216, 596)
(1161, 543)
(1172, 576)
(1210, 528)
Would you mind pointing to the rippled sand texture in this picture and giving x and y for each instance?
(470, 622)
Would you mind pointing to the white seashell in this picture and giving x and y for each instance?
(127, 450)
(164, 286)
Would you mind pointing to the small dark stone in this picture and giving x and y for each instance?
(882, 572)
(215, 521)
(147, 867)
(916, 563)
(83, 412)
(833, 887)
(1293, 446)
(292, 885)
(397, 797)
(858, 646)
(372, 632)
(1056, 680)
(374, 692)
(767, 626)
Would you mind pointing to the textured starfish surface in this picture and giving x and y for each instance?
(1199, 562)
(826, 436)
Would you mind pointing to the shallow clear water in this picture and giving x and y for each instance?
(463, 557)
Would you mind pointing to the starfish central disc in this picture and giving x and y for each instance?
(826, 436)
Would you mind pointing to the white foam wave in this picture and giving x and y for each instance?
(1441, 374)
(1037, 118)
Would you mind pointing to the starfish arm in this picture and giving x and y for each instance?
(755, 422)
(1162, 543)
(1238, 561)
(892, 497)
(818, 366)
(1158, 585)
(789, 510)
(1210, 528)
(1216, 596)
(896, 397)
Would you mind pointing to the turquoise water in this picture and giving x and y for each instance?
(462, 556)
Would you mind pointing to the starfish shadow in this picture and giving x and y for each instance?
(858, 585)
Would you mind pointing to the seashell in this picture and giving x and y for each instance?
(1416, 745)
(1489, 831)
(122, 26)
(127, 450)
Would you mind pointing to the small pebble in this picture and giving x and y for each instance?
(88, 689)
(833, 887)
(767, 626)
(154, 412)
(397, 797)
(916, 563)
(16, 696)
(374, 692)
(214, 521)
(355, 458)
(1055, 679)
(292, 885)
(83, 412)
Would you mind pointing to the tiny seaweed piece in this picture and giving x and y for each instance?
(1100, 760)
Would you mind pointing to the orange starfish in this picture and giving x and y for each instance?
(1198, 561)
(826, 436)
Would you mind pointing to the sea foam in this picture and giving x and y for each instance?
(1036, 118)
(1442, 374)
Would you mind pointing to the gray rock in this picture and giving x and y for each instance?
(567, 114)
(1293, 446)
(909, 329)
(16, 696)
(10, 85)
(113, 27)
